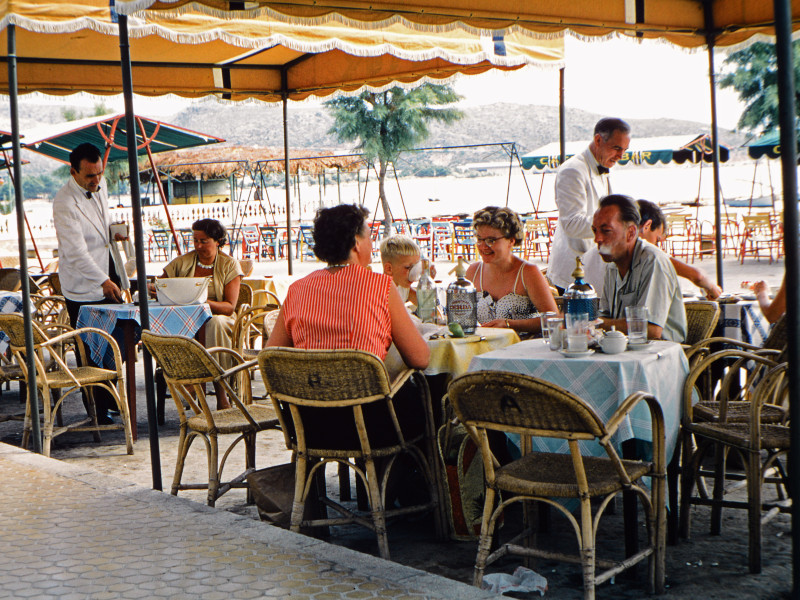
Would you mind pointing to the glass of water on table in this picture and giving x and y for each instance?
(636, 317)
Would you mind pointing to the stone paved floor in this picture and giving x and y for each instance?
(70, 533)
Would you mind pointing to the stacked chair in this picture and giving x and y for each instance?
(736, 401)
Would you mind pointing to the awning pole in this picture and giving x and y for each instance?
(787, 122)
(712, 81)
(287, 177)
(141, 267)
(10, 168)
(33, 391)
(159, 185)
(562, 119)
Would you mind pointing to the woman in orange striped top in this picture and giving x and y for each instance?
(345, 305)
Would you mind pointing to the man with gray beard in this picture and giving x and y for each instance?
(638, 274)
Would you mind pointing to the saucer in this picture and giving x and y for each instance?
(634, 346)
(576, 353)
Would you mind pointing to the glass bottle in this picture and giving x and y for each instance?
(426, 295)
(462, 300)
(580, 296)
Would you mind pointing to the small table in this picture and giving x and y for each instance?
(9, 302)
(453, 355)
(123, 322)
(604, 381)
(278, 285)
(743, 321)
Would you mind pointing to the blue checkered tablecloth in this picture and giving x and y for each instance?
(9, 302)
(176, 320)
(603, 381)
(743, 321)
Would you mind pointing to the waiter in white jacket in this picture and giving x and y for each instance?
(580, 184)
(86, 267)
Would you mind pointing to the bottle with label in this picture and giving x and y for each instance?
(580, 296)
(462, 300)
(426, 295)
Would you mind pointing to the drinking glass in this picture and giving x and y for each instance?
(543, 317)
(637, 324)
(577, 332)
(554, 325)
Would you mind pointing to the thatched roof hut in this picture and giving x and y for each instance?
(220, 162)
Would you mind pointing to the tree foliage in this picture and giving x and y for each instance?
(384, 124)
(754, 76)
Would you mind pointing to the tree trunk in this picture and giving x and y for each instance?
(387, 213)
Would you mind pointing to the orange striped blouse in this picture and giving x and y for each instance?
(345, 309)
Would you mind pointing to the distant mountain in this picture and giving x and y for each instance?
(528, 125)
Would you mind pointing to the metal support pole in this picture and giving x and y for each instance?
(787, 120)
(708, 14)
(138, 236)
(287, 177)
(33, 391)
(562, 119)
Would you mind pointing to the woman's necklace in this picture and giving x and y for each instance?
(341, 265)
(202, 266)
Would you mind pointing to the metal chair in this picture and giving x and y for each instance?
(305, 242)
(187, 368)
(487, 401)
(759, 236)
(536, 243)
(57, 381)
(339, 406)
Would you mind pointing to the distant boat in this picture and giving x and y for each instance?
(433, 200)
(761, 202)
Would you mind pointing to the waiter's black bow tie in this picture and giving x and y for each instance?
(89, 195)
(601, 170)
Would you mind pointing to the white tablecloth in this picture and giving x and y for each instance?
(604, 381)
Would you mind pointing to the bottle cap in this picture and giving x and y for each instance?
(578, 272)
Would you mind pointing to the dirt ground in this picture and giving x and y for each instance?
(703, 567)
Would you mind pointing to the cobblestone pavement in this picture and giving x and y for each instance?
(71, 533)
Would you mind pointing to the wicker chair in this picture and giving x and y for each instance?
(245, 297)
(701, 319)
(59, 382)
(755, 434)
(499, 401)
(187, 367)
(306, 385)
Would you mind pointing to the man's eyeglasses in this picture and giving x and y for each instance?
(489, 241)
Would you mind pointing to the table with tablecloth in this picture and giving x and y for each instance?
(452, 355)
(603, 381)
(9, 302)
(278, 285)
(123, 322)
(743, 321)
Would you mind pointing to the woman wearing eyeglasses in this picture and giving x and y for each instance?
(510, 291)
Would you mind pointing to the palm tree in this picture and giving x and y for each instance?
(386, 123)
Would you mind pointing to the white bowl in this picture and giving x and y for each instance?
(182, 290)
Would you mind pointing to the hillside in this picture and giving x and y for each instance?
(260, 124)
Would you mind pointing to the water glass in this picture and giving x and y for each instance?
(637, 324)
(577, 332)
(554, 328)
(543, 317)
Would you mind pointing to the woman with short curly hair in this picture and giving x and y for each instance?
(510, 291)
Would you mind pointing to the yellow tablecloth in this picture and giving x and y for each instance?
(277, 285)
(453, 355)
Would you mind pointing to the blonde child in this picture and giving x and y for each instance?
(400, 257)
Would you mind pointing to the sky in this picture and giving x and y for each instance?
(627, 79)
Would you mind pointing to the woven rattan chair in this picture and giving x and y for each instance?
(308, 386)
(760, 442)
(57, 381)
(187, 368)
(499, 401)
(701, 319)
